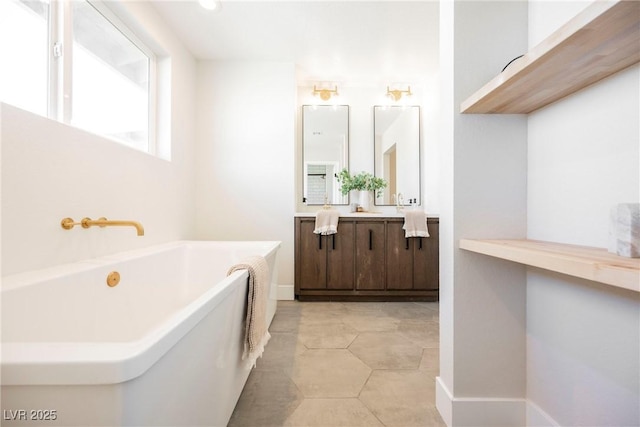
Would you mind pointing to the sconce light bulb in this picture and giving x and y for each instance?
(210, 4)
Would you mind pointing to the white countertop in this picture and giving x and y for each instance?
(362, 215)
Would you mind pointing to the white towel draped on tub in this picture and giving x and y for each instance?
(415, 224)
(256, 333)
(327, 221)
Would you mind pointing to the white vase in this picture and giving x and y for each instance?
(354, 200)
(365, 199)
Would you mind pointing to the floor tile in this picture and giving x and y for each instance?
(401, 398)
(424, 333)
(434, 306)
(332, 412)
(329, 373)
(322, 314)
(328, 335)
(371, 322)
(364, 307)
(268, 398)
(289, 306)
(430, 360)
(284, 324)
(285, 320)
(281, 351)
(322, 310)
(409, 310)
(386, 350)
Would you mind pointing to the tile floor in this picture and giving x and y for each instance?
(331, 364)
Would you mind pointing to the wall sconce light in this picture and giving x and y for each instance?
(325, 94)
(396, 94)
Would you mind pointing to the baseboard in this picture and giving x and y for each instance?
(536, 417)
(286, 293)
(478, 412)
(444, 402)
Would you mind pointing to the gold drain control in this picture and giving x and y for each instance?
(113, 279)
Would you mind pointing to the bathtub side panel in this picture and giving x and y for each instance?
(68, 406)
(199, 381)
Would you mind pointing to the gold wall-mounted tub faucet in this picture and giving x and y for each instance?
(68, 224)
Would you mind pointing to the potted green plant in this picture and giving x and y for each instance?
(363, 182)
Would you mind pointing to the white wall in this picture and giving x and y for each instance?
(583, 346)
(51, 171)
(483, 176)
(245, 166)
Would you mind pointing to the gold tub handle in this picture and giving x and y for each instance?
(113, 279)
(68, 223)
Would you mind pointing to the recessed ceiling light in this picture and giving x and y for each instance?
(210, 4)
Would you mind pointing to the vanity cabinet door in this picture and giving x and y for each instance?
(340, 260)
(370, 252)
(312, 257)
(399, 257)
(426, 271)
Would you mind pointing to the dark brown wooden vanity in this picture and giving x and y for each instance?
(369, 259)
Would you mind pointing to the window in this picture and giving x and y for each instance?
(110, 79)
(24, 70)
(98, 80)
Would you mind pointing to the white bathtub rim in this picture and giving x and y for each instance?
(27, 278)
(69, 363)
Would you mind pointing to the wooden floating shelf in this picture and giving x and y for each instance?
(600, 41)
(580, 261)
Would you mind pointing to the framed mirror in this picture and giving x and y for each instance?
(325, 152)
(397, 152)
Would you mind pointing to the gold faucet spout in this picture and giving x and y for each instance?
(104, 222)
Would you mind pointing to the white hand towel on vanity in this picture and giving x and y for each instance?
(327, 221)
(415, 224)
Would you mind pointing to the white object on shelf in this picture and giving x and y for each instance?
(624, 230)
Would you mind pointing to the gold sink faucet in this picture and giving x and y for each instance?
(68, 224)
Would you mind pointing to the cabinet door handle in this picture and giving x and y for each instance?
(333, 242)
(320, 241)
(420, 248)
(370, 239)
(406, 243)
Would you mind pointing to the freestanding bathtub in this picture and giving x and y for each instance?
(161, 348)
